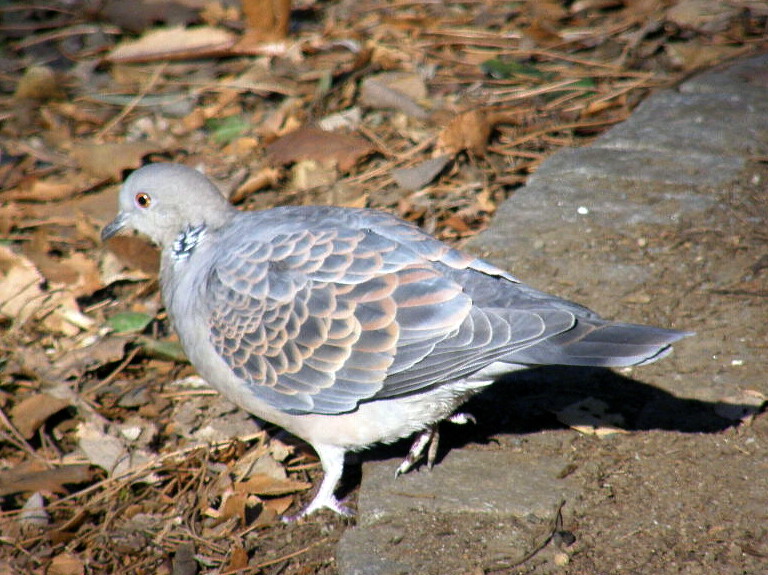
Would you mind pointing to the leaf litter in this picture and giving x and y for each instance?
(111, 460)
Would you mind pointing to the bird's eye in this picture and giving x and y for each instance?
(143, 200)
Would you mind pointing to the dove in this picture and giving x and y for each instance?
(350, 327)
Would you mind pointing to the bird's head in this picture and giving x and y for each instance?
(162, 200)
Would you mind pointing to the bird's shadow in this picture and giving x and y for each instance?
(528, 401)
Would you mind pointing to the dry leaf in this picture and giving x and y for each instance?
(175, 44)
(28, 415)
(77, 362)
(708, 16)
(468, 131)
(265, 178)
(33, 476)
(261, 484)
(692, 55)
(394, 91)
(38, 83)
(418, 176)
(590, 417)
(277, 505)
(35, 190)
(66, 564)
(309, 174)
(743, 406)
(311, 143)
(238, 560)
(267, 21)
(110, 452)
(108, 160)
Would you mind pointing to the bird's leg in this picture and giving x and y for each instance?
(417, 449)
(332, 460)
(429, 437)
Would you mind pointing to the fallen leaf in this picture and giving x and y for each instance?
(693, 55)
(110, 452)
(468, 131)
(310, 174)
(129, 322)
(38, 83)
(743, 406)
(708, 16)
(66, 564)
(133, 252)
(418, 176)
(225, 130)
(34, 476)
(163, 349)
(32, 412)
(109, 160)
(176, 43)
(267, 21)
(238, 560)
(36, 190)
(265, 178)
(311, 143)
(77, 362)
(396, 92)
(591, 417)
(262, 484)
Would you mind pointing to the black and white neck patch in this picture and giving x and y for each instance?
(186, 242)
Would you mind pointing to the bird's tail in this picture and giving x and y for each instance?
(596, 342)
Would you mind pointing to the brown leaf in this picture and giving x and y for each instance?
(278, 505)
(38, 83)
(238, 560)
(262, 484)
(66, 564)
(311, 143)
(29, 414)
(175, 43)
(79, 361)
(33, 477)
(707, 16)
(267, 21)
(591, 417)
(233, 506)
(48, 190)
(468, 131)
(108, 160)
(395, 91)
(135, 252)
(265, 178)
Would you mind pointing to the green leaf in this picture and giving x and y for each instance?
(225, 130)
(503, 69)
(129, 322)
(167, 350)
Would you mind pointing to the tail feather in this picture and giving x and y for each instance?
(594, 342)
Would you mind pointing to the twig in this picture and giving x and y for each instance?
(555, 525)
(133, 103)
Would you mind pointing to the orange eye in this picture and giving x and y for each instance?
(143, 200)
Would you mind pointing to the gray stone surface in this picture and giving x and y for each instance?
(597, 224)
(466, 481)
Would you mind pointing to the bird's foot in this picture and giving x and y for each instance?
(428, 437)
(315, 505)
(429, 440)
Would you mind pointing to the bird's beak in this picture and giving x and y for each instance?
(114, 226)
